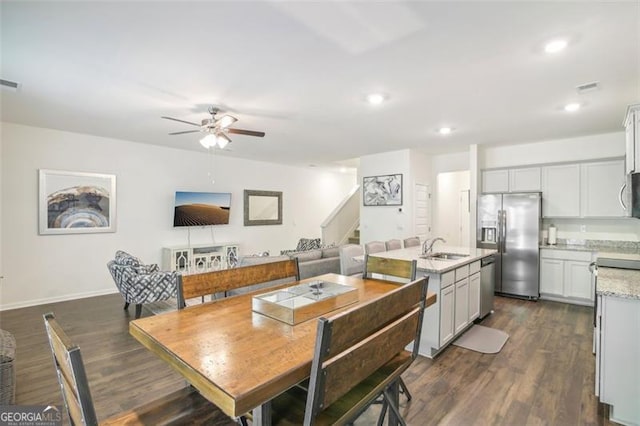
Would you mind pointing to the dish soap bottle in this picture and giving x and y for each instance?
(551, 236)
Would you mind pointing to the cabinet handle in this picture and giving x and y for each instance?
(592, 268)
(624, 185)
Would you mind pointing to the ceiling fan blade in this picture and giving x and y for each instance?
(181, 121)
(246, 132)
(186, 131)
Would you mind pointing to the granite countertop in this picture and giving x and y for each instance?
(604, 248)
(617, 282)
(437, 266)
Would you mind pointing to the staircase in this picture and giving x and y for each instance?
(355, 237)
(342, 224)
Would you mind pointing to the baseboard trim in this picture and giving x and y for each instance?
(48, 300)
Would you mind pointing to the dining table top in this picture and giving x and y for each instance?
(237, 358)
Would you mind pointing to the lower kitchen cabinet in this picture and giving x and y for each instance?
(458, 304)
(617, 355)
(565, 276)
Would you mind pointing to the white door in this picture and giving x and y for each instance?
(422, 216)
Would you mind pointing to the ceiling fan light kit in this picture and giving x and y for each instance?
(214, 129)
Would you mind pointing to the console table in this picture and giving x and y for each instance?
(200, 257)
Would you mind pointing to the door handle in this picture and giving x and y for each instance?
(504, 231)
(620, 199)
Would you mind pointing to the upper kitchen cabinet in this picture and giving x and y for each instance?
(511, 180)
(527, 179)
(561, 190)
(495, 180)
(601, 183)
(632, 138)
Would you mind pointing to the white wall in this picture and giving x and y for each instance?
(605, 145)
(381, 223)
(38, 269)
(448, 209)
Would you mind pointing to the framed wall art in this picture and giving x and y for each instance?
(262, 207)
(385, 190)
(76, 203)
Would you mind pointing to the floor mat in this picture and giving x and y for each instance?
(482, 339)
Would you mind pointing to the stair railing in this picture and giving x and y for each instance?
(343, 220)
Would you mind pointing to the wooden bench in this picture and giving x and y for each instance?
(198, 285)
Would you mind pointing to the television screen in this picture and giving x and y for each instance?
(201, 208)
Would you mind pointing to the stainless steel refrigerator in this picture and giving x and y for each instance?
(510, 223)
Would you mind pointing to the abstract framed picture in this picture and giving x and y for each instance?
(76, 203)
(385, 190)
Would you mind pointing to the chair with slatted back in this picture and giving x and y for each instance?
(359, 355)
(374, 247)
(236, 280)
(397, 270)
(185, 406)
(393, 244)
(411, 242)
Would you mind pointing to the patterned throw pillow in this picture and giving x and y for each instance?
(308, 244)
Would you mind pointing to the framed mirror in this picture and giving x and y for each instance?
(262, 207)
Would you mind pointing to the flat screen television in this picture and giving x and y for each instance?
(201, 208)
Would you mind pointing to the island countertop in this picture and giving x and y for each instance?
(437, 266)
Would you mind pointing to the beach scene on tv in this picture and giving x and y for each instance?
(201, 208)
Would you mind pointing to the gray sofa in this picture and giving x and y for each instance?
(318, 261)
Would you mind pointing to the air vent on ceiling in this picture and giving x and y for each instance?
(588, 87)
(9, 84)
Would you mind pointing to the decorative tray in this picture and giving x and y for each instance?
(301, 302)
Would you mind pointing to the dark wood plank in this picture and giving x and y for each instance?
(393, 267)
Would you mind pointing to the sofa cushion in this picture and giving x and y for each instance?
(307, 256)
(331, 252)
(319, 267)
(258, 260)
(308, 244)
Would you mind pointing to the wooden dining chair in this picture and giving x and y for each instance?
(236, 280)
(185, 406)
(359, 355)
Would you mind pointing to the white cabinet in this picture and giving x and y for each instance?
(511, 180)
(617, 355)
(200, 258)
(462, 305)
(561, 190)
(525, 179)
(495, 180)
(447, 301)
(600, 184)
(632, 138)
(565, 276)
(474, 296)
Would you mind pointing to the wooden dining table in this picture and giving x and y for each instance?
(239, 359)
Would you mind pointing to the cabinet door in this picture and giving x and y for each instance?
(495, 181)
(474, 296)
(577, 280)
(446, 314)
(462, 305)
(551, 276)
(561, 191)
(524, 179)
(601, 183)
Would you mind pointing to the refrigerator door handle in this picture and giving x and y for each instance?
(499, 232)
(504, 231)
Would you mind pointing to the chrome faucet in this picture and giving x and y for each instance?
(427, 246)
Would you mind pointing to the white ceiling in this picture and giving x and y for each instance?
(300, 71)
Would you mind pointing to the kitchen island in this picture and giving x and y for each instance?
(456, 282)
(617, 339)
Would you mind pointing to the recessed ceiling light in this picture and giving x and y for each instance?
(572, 107)
(376, 98)
(445, 130)
(555, 46)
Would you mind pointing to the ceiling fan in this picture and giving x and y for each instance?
(215, 129)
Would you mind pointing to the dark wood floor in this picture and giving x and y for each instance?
(543, 375)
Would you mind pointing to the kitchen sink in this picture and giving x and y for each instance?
(444, 256)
